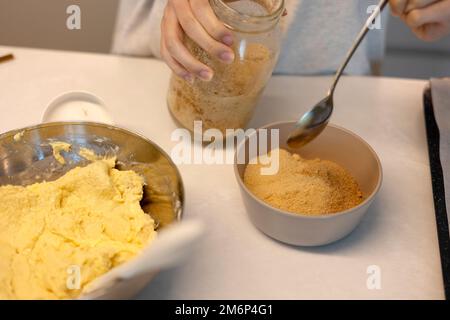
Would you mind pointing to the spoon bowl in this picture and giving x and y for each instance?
(311, 124)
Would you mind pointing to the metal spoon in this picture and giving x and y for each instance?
(312, 123)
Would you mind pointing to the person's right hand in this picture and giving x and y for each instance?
(197, 20)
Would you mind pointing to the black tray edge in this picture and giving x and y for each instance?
(437, 180)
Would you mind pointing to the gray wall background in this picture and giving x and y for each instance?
(42, 24)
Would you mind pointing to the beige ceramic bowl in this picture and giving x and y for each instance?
(335, 144)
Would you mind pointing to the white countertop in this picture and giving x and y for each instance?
(236, 261)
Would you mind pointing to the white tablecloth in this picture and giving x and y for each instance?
(235, 260)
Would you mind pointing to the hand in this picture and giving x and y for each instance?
(428, 19)
(196, 19)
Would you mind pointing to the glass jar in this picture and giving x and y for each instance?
(229, 99)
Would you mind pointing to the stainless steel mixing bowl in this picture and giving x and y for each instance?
(26, 157)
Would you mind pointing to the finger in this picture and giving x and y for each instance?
(437, 13)
(432, 22)
(205, 15)
(173, 37)
(177, 68)
(432, 31)
(192, 27)
(418, 4)
(398, 6)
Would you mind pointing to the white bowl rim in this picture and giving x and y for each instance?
(78, 95)
(302, 215)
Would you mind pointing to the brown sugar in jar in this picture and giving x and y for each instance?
(229, 99)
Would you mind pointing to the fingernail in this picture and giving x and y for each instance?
(228, 40)
(227, 56)
(206, 75)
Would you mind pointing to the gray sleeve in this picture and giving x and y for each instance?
(322, 32)
(137, 30)
(315, 42)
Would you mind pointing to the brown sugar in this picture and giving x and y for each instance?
(310, 187)
(228, 100)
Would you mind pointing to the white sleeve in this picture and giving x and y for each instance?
(138, 30)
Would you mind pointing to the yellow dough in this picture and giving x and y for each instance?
(90, 219)
(59, 146)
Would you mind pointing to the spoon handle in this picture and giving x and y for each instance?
(355, 46)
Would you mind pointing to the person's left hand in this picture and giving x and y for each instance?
(428, 19)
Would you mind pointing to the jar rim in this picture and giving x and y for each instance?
(267, 17)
